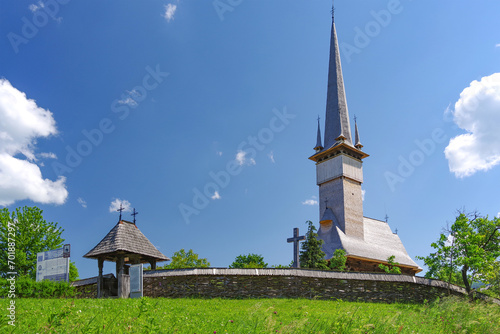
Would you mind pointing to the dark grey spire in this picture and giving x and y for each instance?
(358, 144)
(337, 127)
(318, 146)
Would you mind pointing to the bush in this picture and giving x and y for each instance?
(28, 288)
(249, 261)
(338, 260)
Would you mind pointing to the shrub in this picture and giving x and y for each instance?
(28, 288)
(338, 260)
(249, 261)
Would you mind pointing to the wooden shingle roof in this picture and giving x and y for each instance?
(126, 238)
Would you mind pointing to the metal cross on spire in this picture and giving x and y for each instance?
(120, 209)
(296, 239)
(333, 9)
(135, 213)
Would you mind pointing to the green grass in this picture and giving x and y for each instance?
(161, 315)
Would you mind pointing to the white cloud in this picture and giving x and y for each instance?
(311, 201)
(82, 202)
(34, 7)
(128, 101)
(48, 155)
(22, 122)
(241, 158)
(170, 12)
(478, 112)
(219, 153)
(363, 192)
(115, 205)
(498, 215)
(271, 156)
(498, 45)
(216, 195)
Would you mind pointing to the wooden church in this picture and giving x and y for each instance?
(339, 175)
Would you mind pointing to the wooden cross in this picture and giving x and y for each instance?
(296, 240)
(120, 209)
(135, 213)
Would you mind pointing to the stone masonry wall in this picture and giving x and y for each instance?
(293, 283)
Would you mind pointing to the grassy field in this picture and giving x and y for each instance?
(246, 316)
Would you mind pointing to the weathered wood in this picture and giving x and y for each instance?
(100, 264)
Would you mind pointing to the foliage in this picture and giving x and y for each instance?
(30, 235)
(338, 260)
(311, 255)
(190, 315)
(249, 261)
(281, 266)
(73, 272)
(392, 267)
(181, 260)
(470, 246)
(28, 288)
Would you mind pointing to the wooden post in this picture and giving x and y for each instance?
(100, 286)
(120, 262)
(153, 264)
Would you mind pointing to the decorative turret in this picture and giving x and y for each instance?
(358, 144)
(318, 146)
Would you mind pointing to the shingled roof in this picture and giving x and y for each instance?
(379, 243)
(126, 238)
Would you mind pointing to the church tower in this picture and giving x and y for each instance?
(339, 162)
(339, 175)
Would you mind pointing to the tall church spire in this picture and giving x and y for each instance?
(318, 146)
(337, 127)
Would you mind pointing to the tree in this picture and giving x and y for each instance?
(470, 246)
(311, 255)
(249, 261)
(26, 233)
(181, 260)
(338, 260)
(392, 267)
(73, 272)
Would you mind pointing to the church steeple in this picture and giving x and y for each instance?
(318, 146)
(339, 164)
(337, 127)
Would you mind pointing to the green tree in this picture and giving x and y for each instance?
(249, 261)
(73, 272)
(470, 246)
(311, 254)
(181, 260)
(25, 232)
(338, 260)
(391, 267)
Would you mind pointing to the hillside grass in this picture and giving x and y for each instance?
(160, 315)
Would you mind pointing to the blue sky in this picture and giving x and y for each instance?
(145, 101)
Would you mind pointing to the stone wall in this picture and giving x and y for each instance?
(287, 283)
(293, 283)
(87, 288)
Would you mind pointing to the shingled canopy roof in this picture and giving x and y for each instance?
(126, 239)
